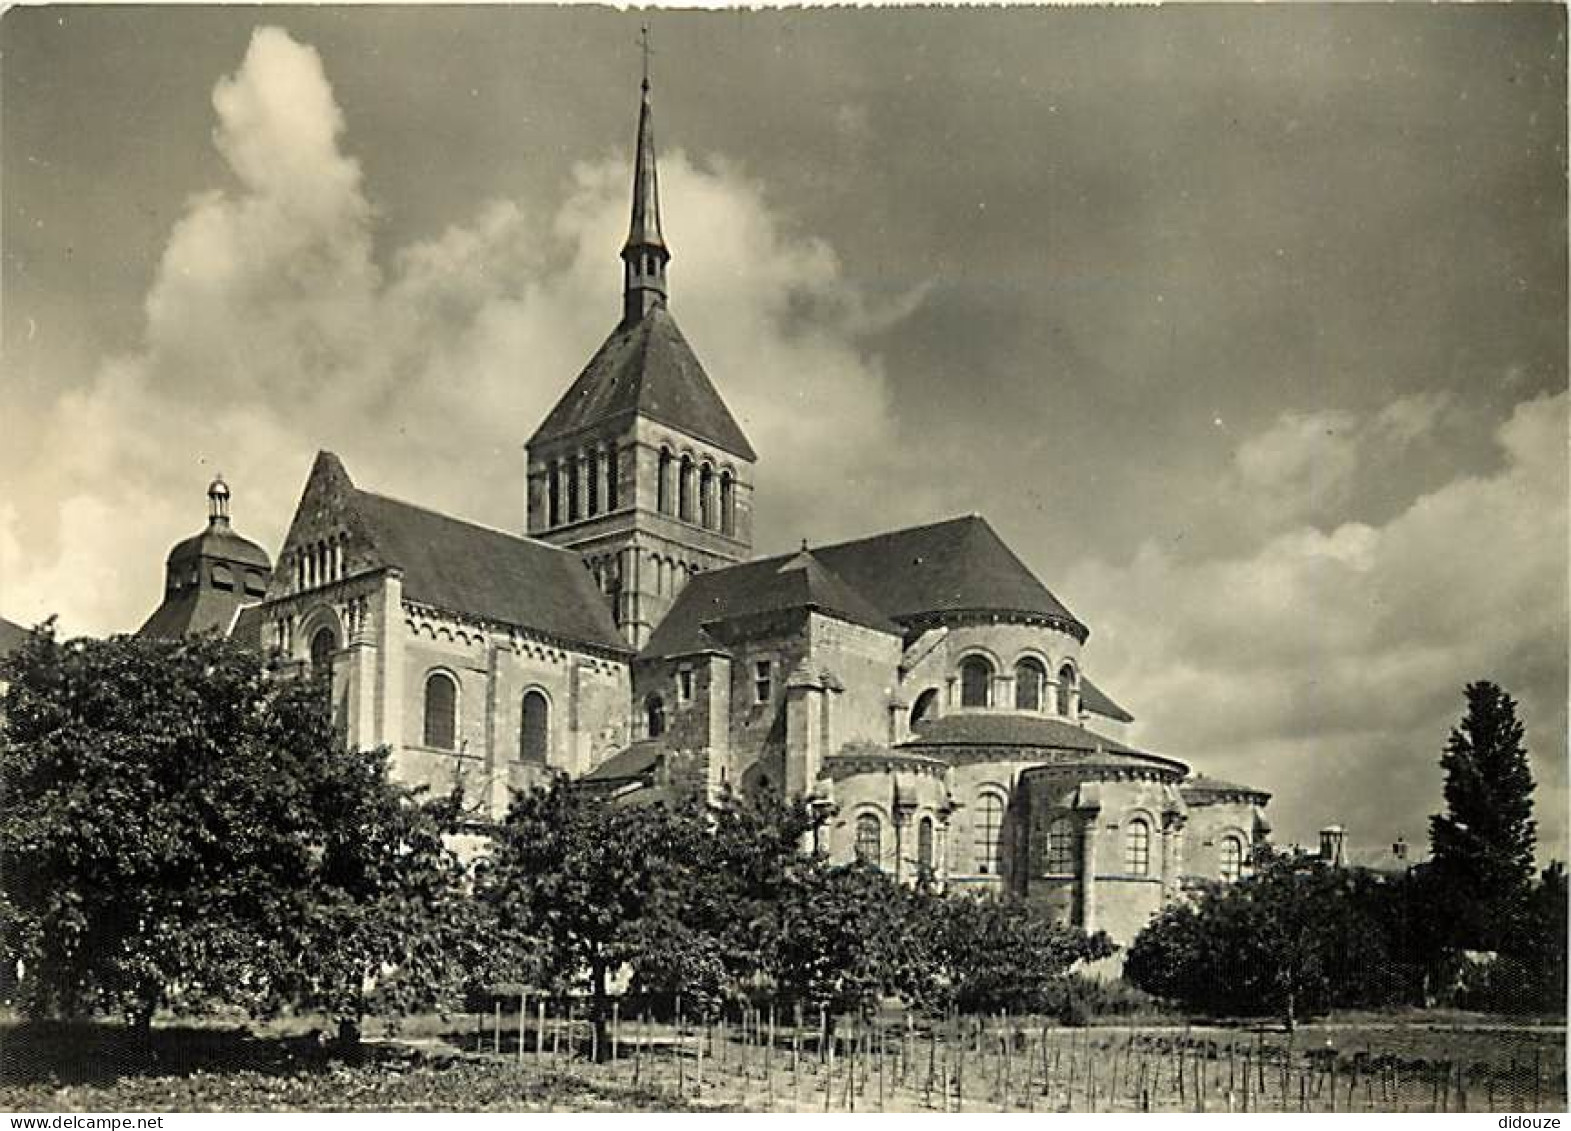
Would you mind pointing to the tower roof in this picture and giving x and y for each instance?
(646, 368)
(209, 576)
(644, 231)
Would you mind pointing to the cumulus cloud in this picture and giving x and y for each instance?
(1327, 664)
(271, 332)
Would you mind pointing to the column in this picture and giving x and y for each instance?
(1088, 869)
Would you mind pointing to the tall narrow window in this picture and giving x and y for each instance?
(654, 713)
(869, 839)
(763, 681)
(989, 824)
(1066, 689)
(553, 494)
(976, 682)
(1137, 848)
(613, 471)
(441, 711)
(684, 685)
(706, 497)
(592, 474)
(924, 847)
(1232, 859)
(323, 644)
(1061, 847)
(534, 728)
(1030, 678)
(572, 489)
(727, 503)
(663, 484)
(684, 490)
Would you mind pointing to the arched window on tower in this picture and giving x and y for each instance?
(706, 497)
(1137, 847)
(441, 711)
(553, 489)
(989, 825)
(926, 708)
(1061, 847)
(592, 474)
(727, 503)
(869, 839)
(924, 848)
(572, 489)
(1066, 690)
(684, 490)
(613, 470)
(534, 727)
(976, 682)
(654, 714)
(1232, 859)
(1030, 678)
(663, 484)
(324, 642)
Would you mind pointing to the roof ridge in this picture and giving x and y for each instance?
(972, 517)
(487, 527)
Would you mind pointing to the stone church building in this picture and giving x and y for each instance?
(921, 685)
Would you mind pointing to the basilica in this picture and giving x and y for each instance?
(921, 686)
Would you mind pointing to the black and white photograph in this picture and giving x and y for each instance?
(910, 559)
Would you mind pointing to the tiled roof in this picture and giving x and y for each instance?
(634, 762)
(752, 588)
(647, 368)
(196, 608)
(1028, 732)
(1095, 700)
(222, 544)
(12, 637)
(1201, 784)
(959, 565)
(954, 566)
(1003, 728)
(463, 568)
(247, 630)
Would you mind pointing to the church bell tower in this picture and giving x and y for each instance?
(640, 466)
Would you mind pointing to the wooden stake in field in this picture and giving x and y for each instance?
(497, 1035)
(681, 1081)
(616, 1031)
(540, 1033)
(523, 1015)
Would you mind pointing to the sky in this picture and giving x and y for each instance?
(1245, 326)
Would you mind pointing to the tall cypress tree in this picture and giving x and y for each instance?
(1482, 846)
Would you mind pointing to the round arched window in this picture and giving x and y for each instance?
(869, 839)
(976, 682)
(1232, 859)
(324, 642)
(1137, 848)
(534, 728)
(441, 711)
(1030, 679)
(654, 713)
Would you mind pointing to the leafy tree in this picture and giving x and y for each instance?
(383, 924)
(833, 948)
(1004, 954)
(181, 826)
(583, 884)
(1297, 937)
(1482, 846)
(155, 821)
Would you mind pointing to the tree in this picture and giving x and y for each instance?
(1482, 846)
(581, 885)
(155, 821)
(181, 826)
(1297, 937)
(382, 924)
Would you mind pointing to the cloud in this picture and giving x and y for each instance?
(1327, 664)
(271, 331)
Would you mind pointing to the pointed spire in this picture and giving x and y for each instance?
(645, 255)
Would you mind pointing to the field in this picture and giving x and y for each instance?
(1372, 1063)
